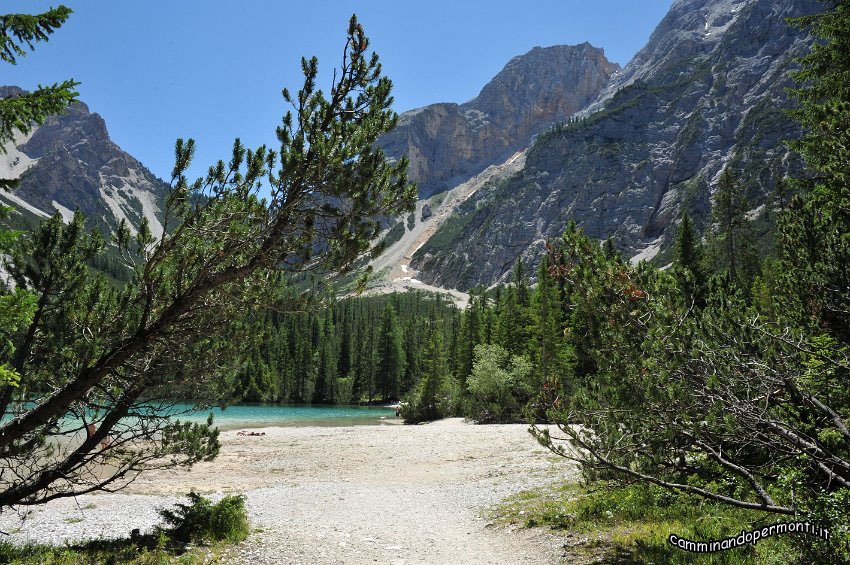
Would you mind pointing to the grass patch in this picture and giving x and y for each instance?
(633, 524)
(209, 527)
(145, 550)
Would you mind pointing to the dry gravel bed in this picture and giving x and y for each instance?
(360, 494)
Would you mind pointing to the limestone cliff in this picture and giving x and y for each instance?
(448, 143)
(70, 162)
(707, 91)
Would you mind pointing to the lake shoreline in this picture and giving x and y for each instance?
(343, 494)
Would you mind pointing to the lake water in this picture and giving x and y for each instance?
(256, 415)
(264, 415)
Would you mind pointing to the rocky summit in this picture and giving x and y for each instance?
(560, 134)
(448, 143)
(706, 92)
(70, 162)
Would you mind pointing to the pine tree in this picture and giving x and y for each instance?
(19, 32)
(470, 331)
(815, 233)
(412, 350)
(391, 355)
(548, 330)
(176, 330)
(732, 241)
(521, 284)
(688, 261)
(18, 114)
(346, 345)
(428, 403)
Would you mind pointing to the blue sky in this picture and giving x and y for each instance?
(213, 69)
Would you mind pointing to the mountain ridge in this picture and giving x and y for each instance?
(70, 162)
(448, 143)
(648, 148)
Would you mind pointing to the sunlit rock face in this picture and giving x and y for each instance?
(70, 162)
(707, 91)
(447, 143)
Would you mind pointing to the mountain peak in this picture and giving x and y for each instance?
(70, 162)
(449, 143)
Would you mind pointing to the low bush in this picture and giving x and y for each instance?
(203, 521)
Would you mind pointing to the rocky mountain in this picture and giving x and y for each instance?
(70, 162)
(707, 91)
(448, 143)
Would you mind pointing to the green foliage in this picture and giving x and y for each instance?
(732, 243)
(16, 312)
(498, 386)
(429, 401)
(19, 113)
(144, 551)
(689, 262)
(391, 354)
(202, 521)
(446, 235)
(633, 524)
(19, 29)
(741, 400)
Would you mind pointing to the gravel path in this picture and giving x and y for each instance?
(364, 494)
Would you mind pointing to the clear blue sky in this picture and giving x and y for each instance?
(213, 69)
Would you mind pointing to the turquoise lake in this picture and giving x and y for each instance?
(257, 415)
(264, 415)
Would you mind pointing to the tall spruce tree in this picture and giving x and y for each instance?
(732, 245)
(390, 354)
(688, 261)
(548, 331)
(428, 401)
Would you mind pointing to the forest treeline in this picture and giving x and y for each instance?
(489, 361)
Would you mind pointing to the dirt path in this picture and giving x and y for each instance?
(365, 494)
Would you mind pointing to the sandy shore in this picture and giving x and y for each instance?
(360, 494)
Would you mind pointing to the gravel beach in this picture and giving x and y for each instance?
(361, 494)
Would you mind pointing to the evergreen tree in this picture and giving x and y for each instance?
(688, 261)
(470, 331)
(412, 350)
(346, 345)
(815, 234)
(19, 114)
(454, 347)
(19, 32)
(521, 283)
(732, 242)
(177, 330)
(609, 250)
(428, 402)
(390, 354)
(548, 324)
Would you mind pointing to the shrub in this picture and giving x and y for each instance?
(497, 385)
(204, 521)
